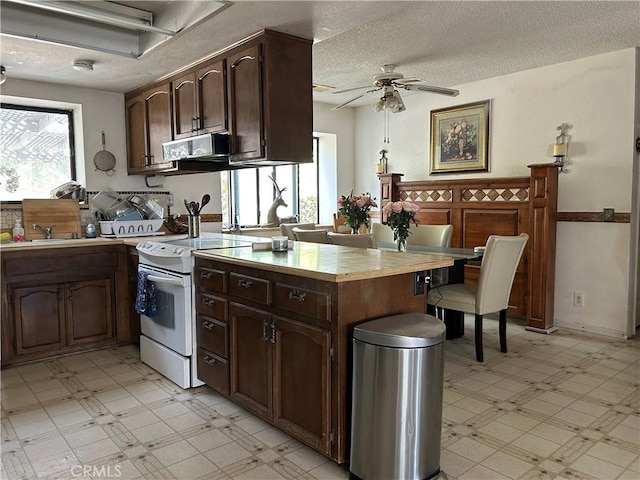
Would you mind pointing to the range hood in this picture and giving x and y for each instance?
(212, 147)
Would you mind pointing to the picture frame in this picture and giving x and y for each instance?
(460, 138)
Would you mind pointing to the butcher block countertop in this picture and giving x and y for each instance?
(331, 263)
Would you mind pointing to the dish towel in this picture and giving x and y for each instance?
(146, 296)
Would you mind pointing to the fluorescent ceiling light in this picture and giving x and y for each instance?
(104, 26)
(127, 17)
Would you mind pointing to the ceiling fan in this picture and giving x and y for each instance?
(389, 81)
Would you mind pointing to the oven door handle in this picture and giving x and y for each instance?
(170, 281)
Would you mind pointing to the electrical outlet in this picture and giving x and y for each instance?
(608, 214)
(170, 201)
(578, 299)
(419, 282)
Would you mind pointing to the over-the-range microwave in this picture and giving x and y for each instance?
(208, 147)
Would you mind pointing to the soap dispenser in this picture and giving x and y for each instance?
(18, 232)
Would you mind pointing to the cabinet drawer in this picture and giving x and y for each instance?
(213, 370)
(211, 306)
(213, 335)
(250, 288)
(210, 279)
(300, 300)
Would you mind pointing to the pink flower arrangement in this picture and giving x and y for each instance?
(355, 208)
(399, 216)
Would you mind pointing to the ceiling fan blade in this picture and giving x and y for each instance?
(352, 89)
(404, 81)
(429, 88)
(355, 98)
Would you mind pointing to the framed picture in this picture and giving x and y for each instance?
(460, 138)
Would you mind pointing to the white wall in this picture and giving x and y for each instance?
(341, 123)
(597, 96)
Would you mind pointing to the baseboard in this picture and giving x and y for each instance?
(608, 332)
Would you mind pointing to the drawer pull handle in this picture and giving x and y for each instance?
(295, 295)
(273, 333)
(209, 360)
(207, 325)
(207, 301)
(245, 283)
(264, 330)
(206, 275)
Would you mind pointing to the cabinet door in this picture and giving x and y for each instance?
(136, 135)
(251, 369)
(38, 318)
(301, 395)
(184, 106)
(212, 98)
(89, 311)
(245, 104)
(158, 124)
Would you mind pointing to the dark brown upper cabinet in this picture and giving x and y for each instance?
(148, 123)
(258, 90)
(200, 101)
(270, 100)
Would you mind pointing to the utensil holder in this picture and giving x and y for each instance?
(194, 226)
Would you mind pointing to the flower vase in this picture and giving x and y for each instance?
(355, 229)
(401, 242)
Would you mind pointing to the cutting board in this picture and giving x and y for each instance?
(61, 213)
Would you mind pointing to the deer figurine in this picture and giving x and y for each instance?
(272, 215)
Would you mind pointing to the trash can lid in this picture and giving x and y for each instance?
(408, 330)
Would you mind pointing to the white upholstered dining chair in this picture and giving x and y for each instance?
(286, 229)
(313, 236)
(491, 294)
(430, 235)
(382, 233)
(365, 240)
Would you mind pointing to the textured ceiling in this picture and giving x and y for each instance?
(444, 43)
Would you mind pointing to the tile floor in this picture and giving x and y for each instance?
(564, 406)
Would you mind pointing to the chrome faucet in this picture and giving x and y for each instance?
(46, 231)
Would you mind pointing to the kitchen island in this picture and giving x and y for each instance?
(286, 321)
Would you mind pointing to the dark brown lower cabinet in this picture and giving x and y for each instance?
(89, 309)
(251, 366)
(280, 369)
(62, 301)
(301, 382)
(38, 316)
(282, 342)
(51, 317)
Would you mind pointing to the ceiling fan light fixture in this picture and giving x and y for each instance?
(391, 101)
(83, 65)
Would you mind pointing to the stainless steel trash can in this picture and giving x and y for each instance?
(396, 415)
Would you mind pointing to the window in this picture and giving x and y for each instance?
(36, 151)
(248, 194)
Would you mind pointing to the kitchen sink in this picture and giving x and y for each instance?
(49, 240)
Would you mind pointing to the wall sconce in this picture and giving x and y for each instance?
(560, 148)
(381, 166)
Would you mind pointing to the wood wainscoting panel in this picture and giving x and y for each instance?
(477, 225)
(479, 207)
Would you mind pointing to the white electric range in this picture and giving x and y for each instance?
(167, 341)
